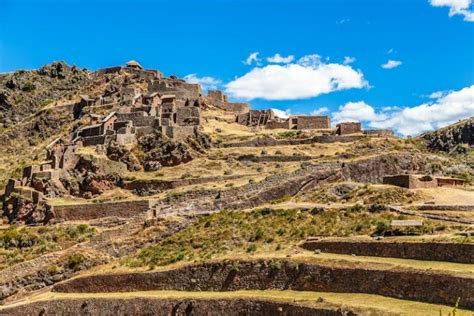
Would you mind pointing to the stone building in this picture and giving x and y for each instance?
(379, 133)
(278, 123)
(255, 118)
(414, 181)
(217, 95)
(219, 99)
(134, 64)
(302, 122)
(348, 128)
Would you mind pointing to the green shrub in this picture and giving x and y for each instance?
(251, 248)
(74, 261)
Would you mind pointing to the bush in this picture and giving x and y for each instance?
(186, 175)
(74, 261)
(28, 86)
(251, 248)
(382, 227)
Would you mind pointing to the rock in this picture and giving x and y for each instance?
(455, 138)
(120, 153)
(317, 251)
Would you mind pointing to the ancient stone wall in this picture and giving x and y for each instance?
(94, 140)
(379, 133)
(444, 207)
(91, 131)
(348, 128)
(99, 210)
(125, 139)
(403, 283)
(437, 251)
(138, 118)
(162, 185)
(217, 95)
(274, 124)
(188, 115)
(270, 141)
(165, 307)
(179, 133)
(309, 122)
(237, 108)
(411, 181)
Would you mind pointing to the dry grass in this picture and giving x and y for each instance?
(349, 192)
(447, 195)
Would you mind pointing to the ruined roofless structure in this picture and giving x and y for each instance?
(169, 104)
(416, 181)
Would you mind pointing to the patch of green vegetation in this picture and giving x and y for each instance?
(25, 243)
(261, 230)
(28, 86)
(45, 102)
(74, 261)
(290, 134)
(466, 177)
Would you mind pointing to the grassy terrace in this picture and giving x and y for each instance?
(26, 243)
(262, 231)
(363, 303)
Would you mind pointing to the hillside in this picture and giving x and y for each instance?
(125, 188)
(457, 138)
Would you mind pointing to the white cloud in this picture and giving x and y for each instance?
(444, 111)
(356, 112)
(456, 7)
(436, 95)
(343, 21)
(390, 64)
(320, 111)
(306, 78)
(390, 51)
(207, 83)
(253, 58)
(348, 60)
(278, 59)
(282, 113)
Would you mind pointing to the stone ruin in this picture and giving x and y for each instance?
(167, 105)
(269, 120)
(174, 117)
(219, 99)
(415, 181)
(346, 128)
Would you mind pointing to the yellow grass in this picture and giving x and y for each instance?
(449, 195)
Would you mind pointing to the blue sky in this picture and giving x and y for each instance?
(431, 41)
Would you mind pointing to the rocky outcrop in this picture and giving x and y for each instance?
(160, 151)
(92, 176)
(373, 169)
(22, 93)
(455, 138)
(403, 283)
(116, 152)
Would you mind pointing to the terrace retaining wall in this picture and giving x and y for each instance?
(402, 283)
(99, 210)
(438, 251)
